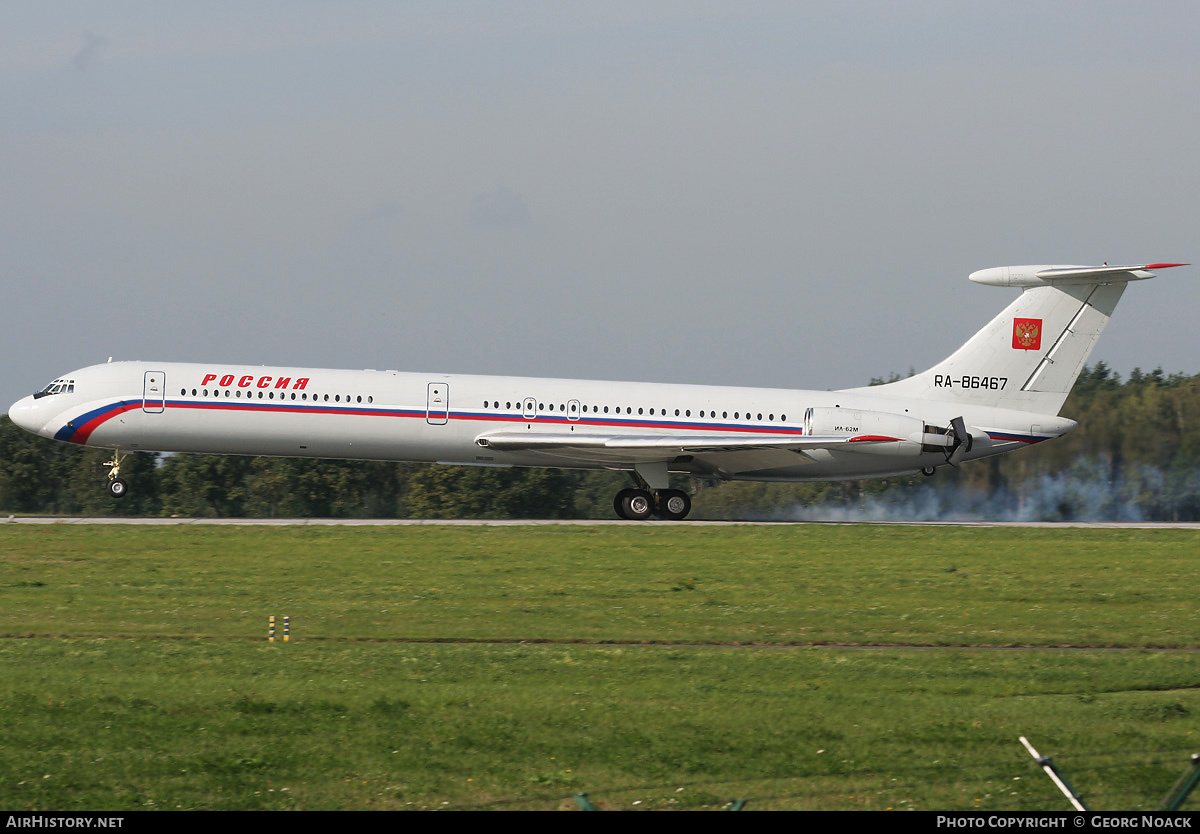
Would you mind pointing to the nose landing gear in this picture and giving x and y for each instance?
(117, 488)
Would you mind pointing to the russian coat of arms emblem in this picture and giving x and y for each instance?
(1027, 334)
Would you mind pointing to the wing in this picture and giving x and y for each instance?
(716, 453)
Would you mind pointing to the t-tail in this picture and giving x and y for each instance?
(1028, 357)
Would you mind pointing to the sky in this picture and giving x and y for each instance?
(783, 194)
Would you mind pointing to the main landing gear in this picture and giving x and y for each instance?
(117, 488)
(640, 504)
(652, 496)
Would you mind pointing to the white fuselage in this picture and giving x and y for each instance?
(389, 415)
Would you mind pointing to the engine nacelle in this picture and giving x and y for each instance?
(827, 422)
(877, 432)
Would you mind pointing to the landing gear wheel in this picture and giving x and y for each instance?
(617, 500)
(117, 488)
(928, 470)
(634, 504)
(673, 504)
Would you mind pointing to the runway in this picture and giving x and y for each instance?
(479, 522)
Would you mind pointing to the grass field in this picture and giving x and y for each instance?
(509, 667)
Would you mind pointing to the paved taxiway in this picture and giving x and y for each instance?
(479, 522)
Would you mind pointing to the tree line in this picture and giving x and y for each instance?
(46, 477)
(1135, 455)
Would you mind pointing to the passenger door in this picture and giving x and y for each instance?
(437, 403)
(154, 392)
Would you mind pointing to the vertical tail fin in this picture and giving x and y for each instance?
(1029, 356)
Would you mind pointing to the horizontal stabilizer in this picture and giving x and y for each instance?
(1050, 275)
(1099, 271)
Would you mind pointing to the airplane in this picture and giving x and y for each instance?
(1001, 391)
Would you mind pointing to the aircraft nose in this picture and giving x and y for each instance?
(24, 413)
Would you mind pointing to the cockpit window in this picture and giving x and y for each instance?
(59, 386)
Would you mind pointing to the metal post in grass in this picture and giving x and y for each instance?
(1057, 778)
(1182, 787)
(271, 629)
(583, 802)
